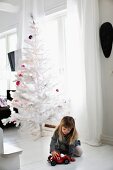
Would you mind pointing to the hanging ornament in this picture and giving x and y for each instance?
(20, 75)
(23, 65)
(17, 83)
(57, 90)
(30, 37)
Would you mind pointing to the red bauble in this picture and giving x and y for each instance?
(20, 74)
(17, 83)
(22, 65)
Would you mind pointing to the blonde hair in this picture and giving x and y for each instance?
(67, 122)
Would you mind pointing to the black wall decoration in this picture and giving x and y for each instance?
(106, 38)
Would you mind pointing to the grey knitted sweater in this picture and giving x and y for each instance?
(62, 146)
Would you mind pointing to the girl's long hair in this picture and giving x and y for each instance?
(67, 122)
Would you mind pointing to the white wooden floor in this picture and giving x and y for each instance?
(35, 153)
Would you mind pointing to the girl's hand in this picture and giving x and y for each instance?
(73, 159)
(54, 154)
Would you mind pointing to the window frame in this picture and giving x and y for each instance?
(61, 19)
(6, 70)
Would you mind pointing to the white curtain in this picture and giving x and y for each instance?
(84, 70)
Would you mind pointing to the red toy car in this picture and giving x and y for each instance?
(60, 159)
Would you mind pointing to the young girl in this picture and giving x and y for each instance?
(65, 139)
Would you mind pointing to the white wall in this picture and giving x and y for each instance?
(54, 5)
(9, 20)
(106, 15)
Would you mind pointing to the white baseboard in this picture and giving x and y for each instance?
(107, 139)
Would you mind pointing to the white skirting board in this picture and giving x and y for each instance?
(107, 139)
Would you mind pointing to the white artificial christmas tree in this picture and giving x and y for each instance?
(38, 96)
